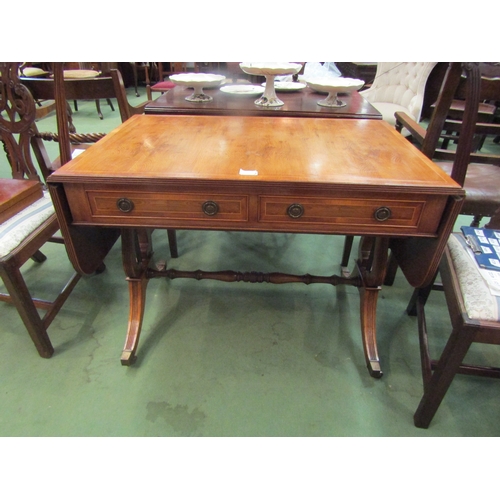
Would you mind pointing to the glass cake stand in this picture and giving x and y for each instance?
(333, 86)
(198, 81)
(270, 71)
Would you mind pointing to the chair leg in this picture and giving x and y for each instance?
(494, 222)
(476, 221)
(344, 264)
(425, 358)
(448, 365)
(134, 70)
(98, 106)
(172, 243)
(392, 269)
(39, 257)
(21, 298)
(422, 294)
(72, 128)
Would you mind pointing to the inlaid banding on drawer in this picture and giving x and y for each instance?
(168, 205)
(335, 211)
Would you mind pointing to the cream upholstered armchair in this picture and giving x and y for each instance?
(399, 86)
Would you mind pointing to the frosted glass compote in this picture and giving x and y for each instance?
(198, 81)
(270, 71)
(333, 86)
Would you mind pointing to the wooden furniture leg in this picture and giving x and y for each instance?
(344, 264)
(368, 310)
(172, 243)
(134, 70)
(436, 388)
(136, 254)
(98, 107)
(392, 268)
(21, 298)
(137, 292)
(371, 266)
(367, 277)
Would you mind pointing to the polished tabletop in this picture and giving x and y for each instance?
(302, 103)
(353, 153)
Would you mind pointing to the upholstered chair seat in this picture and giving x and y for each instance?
(482, 185)
(15, 230)
(163, 86)
(479, 303)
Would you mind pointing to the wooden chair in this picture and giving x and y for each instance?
(474, 318)
(109, 87)
(488, 106)
(87, 70)
(28, 226)
(138, 67)
(473, 309)
(481, 177)
(477, 172)
(106, 87)
(164, 84)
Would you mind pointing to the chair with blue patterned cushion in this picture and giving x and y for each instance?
(474, 313)
(29, 223)
(473, 308)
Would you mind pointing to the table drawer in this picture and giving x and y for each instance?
(166, 206)
(422, 215)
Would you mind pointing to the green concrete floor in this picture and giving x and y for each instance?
(218, 359)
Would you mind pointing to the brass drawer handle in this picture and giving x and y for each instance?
(295, 211)
(125, 205)
(210, 208)
(382, 214)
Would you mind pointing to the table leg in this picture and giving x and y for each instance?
(137, 294)
(369, 272)
(368, 310)
(136, 254)
(371, 266)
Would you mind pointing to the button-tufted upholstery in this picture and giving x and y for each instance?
(399, 86)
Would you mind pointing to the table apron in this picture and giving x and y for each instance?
(384, 214)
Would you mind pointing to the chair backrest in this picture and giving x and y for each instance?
(401, 83)
(76, 88)
(62, 123)
(17, 118)
(126, 109)
(18, 130)
(178, 67)
(105, 87)
(463, 81)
